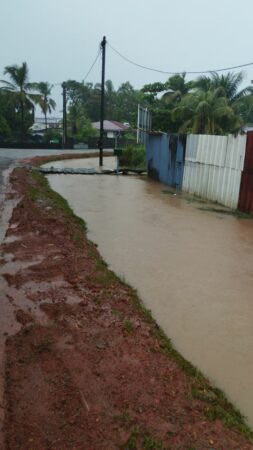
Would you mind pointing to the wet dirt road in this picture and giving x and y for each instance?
(193, 269)
(9, 158)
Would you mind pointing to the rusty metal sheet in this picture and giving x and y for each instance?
(246, 192)
(246, 189)
(248, 164)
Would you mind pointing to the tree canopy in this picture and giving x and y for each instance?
(213, 104)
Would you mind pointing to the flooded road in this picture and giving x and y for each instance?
(192, 268)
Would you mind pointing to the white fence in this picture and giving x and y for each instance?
(213, 167)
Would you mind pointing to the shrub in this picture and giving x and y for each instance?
(133, 156)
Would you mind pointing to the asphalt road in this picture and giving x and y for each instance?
(8, 156)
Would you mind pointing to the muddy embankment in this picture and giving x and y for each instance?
(86, 367)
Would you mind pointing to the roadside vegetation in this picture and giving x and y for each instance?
(133, 156)
(214, 104)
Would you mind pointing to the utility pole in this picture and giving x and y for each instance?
(102, 106)
(64, 118)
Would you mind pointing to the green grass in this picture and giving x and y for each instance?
(116, 312)
(128, 326)
(42, 191)
(105, 278)
(124, 419)
(151, 443)
(140, 439)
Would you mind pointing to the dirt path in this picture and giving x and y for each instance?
(86, 366)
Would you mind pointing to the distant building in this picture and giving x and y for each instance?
(39, 127)
(112, 128)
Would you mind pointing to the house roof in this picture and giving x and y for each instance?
(110, 125)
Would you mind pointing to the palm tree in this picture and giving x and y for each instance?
(46, 103)
(20, 88)
(240, 100)
(207, 112)
(230, 83)
(177, 87)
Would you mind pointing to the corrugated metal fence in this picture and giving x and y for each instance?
(165, 158)
(213, 167)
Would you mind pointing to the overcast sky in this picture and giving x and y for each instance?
(59, 39)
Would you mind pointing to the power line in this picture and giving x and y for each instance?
(179, 72)
(88, 73)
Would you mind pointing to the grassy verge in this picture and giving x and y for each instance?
(216, 406)
(42, 191)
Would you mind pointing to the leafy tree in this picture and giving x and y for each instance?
(212, 104)
(164, 97)
(177, 87)
(127, 103)
(46, 103)
(7, 115)
(21, 91)
(207, 113)
(230, 84)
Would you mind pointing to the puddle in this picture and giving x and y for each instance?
(192, 269)
(12, 267)
(10, 239)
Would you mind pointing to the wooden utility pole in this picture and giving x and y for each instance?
(64, 118)
(102, 106)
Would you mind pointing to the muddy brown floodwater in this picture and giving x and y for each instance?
(192, 268)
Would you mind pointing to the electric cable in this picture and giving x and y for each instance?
(179, 72)
(88, 73)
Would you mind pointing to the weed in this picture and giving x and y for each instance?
(98, 301)
(33, 194)
(131, 443)
(132, 440)
(101, 265)
(43, 191)
(105, 278)
(128, 326)
(77, 237)
(116, 312)
(124, 419)
(151, 443)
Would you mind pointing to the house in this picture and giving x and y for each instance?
(39, 127)
(112, 128)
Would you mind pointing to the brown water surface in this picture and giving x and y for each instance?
(192, 268)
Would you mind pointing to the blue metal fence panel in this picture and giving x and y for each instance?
(165, 158)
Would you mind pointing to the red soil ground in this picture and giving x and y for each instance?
(87, 370)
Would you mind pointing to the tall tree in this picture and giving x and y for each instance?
(46, 103)
(21, 89)
(207, 112)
